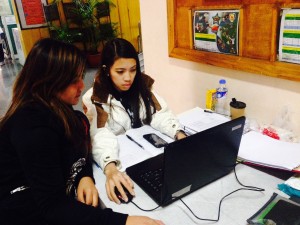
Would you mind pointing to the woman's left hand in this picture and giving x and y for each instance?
(87, 192)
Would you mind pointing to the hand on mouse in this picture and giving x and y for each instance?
(115, 178)
(120, 197)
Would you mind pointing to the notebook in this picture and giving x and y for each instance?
(190, 163)
(259, 149)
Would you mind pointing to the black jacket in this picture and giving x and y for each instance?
(35, 152)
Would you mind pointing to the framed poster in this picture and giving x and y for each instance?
(216, 31)
(31, 13)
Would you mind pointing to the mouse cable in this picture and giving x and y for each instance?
(245, 188)
(146, 210)
(251, 187)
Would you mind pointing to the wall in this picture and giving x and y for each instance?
(125, 13)
(183, 84)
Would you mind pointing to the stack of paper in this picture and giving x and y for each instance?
(196, 120)
(266, 151)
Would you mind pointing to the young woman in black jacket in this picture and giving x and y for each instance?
(46, 174)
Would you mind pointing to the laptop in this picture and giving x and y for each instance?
(190, 163)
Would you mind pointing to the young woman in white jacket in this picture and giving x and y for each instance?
(121, 99)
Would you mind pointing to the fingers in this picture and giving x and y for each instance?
(110, 192)
(129, 181)
(128, 184)
(89, 197)
(87, 193)
(142, 220)
(118, 180)
(80, 196)
(95, 202)
(159, 222)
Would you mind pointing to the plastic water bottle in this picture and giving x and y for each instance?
(221, 97)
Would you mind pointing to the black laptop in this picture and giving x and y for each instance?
(190, 163)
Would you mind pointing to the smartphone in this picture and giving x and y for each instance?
(155, 140)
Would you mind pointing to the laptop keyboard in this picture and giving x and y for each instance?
(153, 178)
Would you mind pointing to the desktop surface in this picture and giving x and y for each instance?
(235, 209)
(204, 202)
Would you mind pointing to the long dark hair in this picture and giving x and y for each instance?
(121, 48)
(50, 67)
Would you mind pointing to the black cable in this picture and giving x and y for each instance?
(219, 210)
(247, 188)
(146, 210)
(252, 187)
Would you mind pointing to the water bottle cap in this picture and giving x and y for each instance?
(222, 81)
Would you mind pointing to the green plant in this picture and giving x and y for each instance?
(65, 34)
(87, 18)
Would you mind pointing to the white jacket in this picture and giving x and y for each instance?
(104, 141)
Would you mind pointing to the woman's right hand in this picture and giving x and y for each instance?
(115, 178)
(142, 220)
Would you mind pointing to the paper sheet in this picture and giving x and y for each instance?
(131, 153)
(137, 135)
(261, 149)
(196, 120)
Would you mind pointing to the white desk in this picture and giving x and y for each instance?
(235, 209)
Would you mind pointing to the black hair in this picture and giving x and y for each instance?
(50, 67)
(121, 48)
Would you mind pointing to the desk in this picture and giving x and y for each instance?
(235, 209)
(204, 202)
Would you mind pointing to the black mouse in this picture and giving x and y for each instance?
(118, 194)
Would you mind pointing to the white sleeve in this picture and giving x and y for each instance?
(164, 120)
(105, 148)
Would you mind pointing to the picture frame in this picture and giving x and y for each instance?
(31, 13)
(216, 30)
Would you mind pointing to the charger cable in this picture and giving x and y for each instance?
(245, 188)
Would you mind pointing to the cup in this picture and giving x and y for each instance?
(237, 108)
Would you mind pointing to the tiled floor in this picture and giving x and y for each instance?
(8, 74)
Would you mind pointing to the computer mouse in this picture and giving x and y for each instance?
(118, 194)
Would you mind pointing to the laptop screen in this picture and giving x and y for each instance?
(200, 159)
(192, 162)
